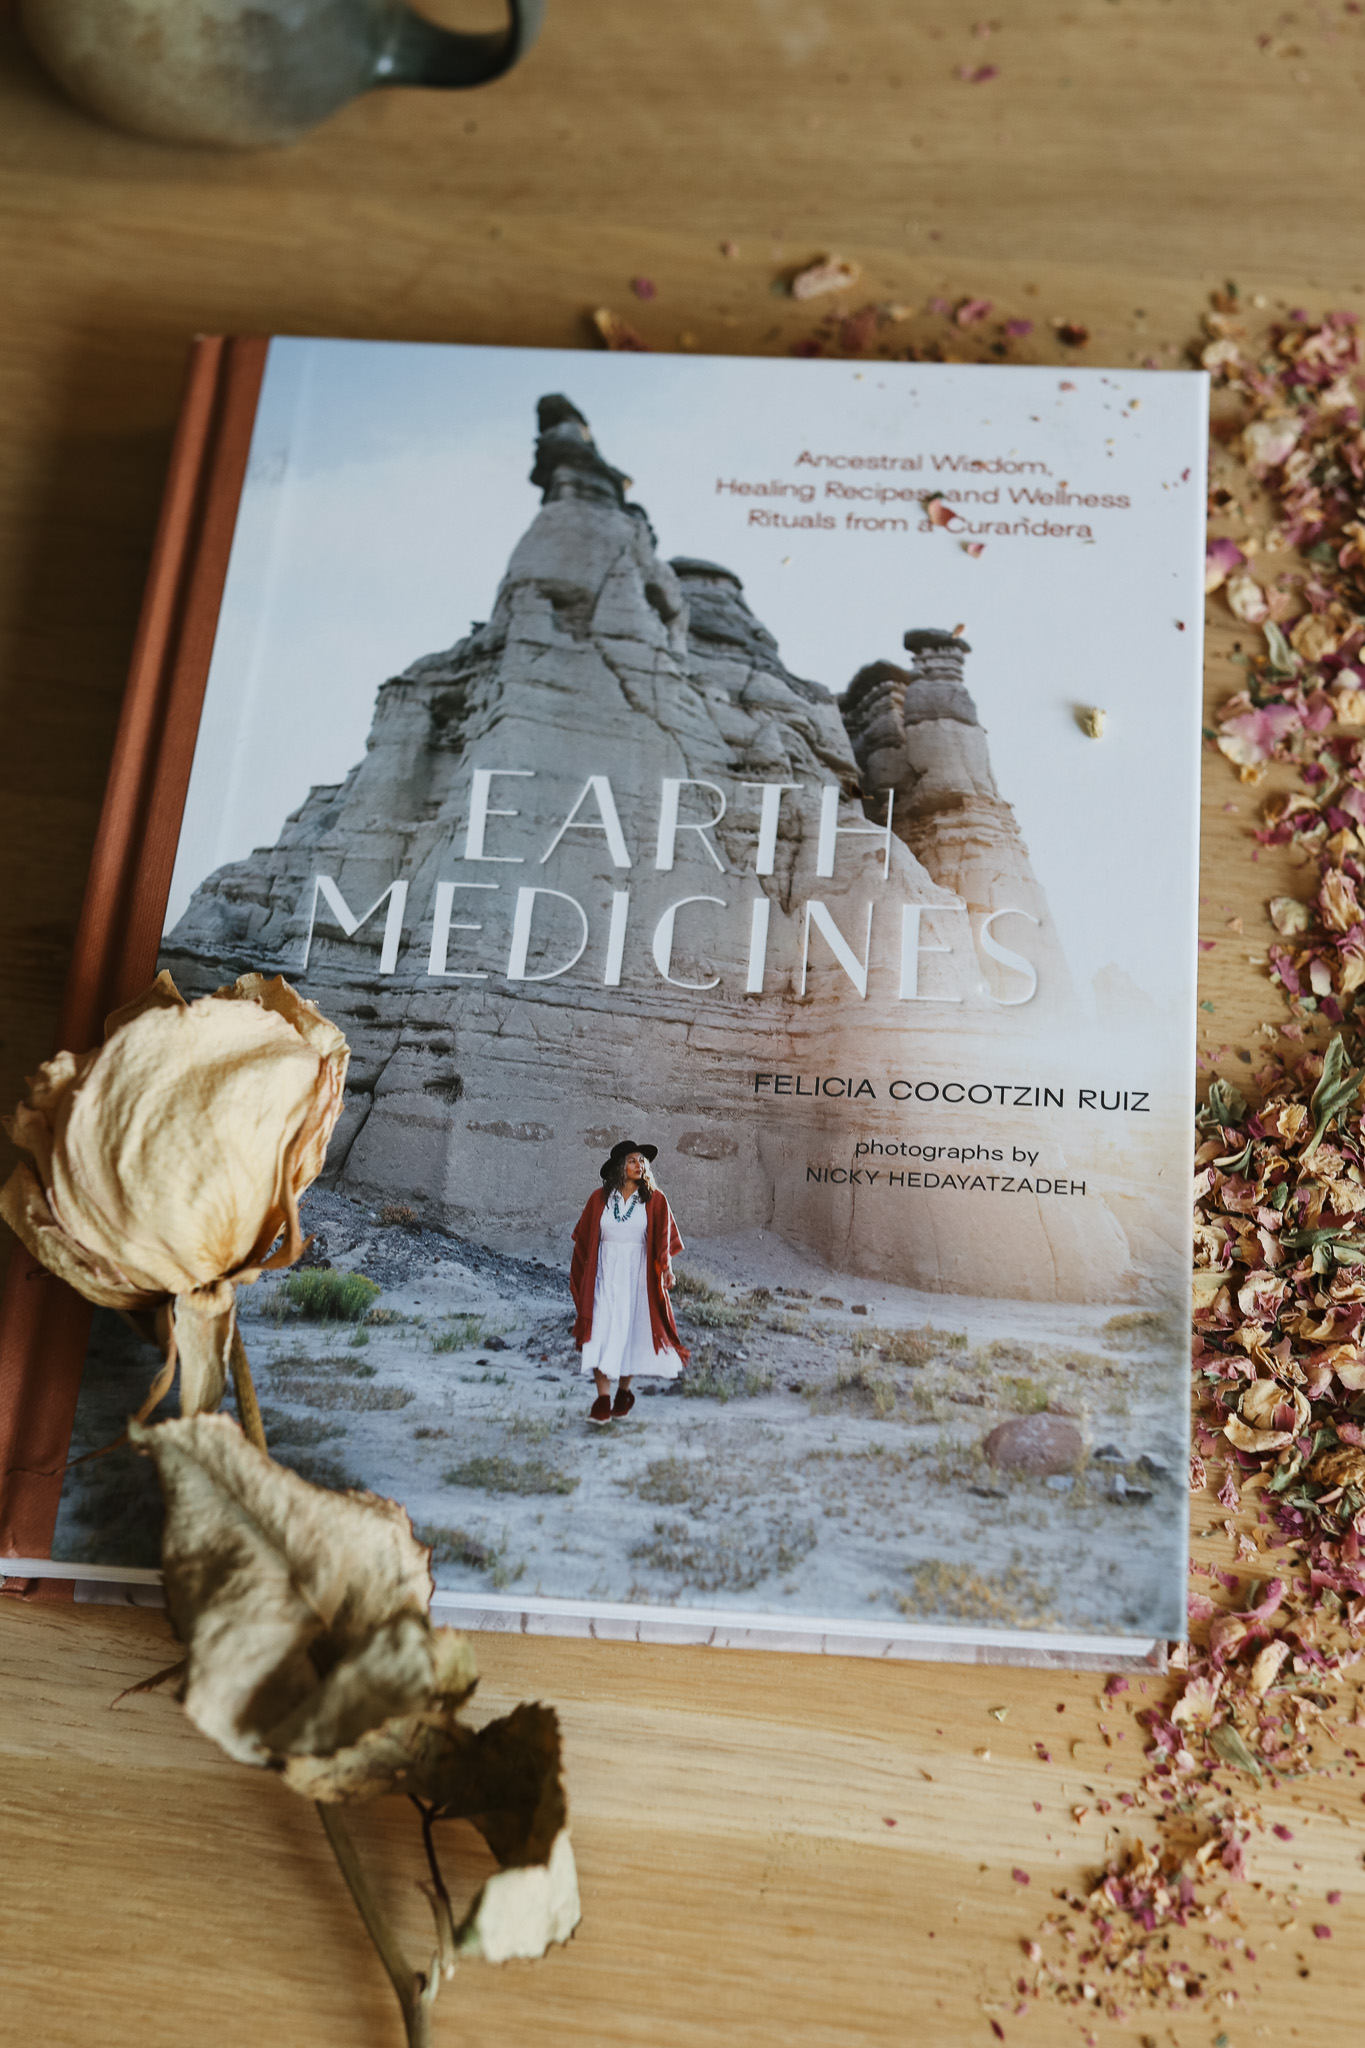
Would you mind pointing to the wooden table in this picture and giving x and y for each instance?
(772, 1849)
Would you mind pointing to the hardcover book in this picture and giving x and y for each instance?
(743, 816)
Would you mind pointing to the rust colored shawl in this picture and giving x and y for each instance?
(662, 1245)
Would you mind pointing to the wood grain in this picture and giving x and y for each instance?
(741, 1878)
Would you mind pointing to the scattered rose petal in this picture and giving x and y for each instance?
(618, 333)
(976, 74)
(1221, 558)
(644, 288)
(1020, 1876)
(826, 274)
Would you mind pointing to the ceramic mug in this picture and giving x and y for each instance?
(241, 74)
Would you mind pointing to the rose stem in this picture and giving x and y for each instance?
(428, 1813)
(408, 1987)
(248, 1407)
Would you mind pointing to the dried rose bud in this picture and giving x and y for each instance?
(1270, 1417)
(171, 1159)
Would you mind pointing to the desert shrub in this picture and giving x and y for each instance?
(532, 1429)
(456, 1546)
(734, 1558)
(958, 1592)
(917, 1347)
(1003, 1351)
(340, 1393)
(322, 1295)
(461, 1333)
(708, 1381)
(716, 1313)
(1134, 1330)
(302, 1431)
(399, 1216)
(672, 1481)
(499, 1474)
(860, 1388)
(298, 1365)
(692, 1286)
(1026, 1396)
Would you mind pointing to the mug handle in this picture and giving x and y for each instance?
(417, 52)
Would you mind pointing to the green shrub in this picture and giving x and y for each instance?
(461, 1333)
(322, 1295)
(1026, 1396)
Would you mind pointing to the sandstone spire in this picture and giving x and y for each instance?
(915, 731)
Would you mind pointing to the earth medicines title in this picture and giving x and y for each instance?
(537, 909)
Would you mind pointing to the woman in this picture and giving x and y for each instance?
(624, 1244)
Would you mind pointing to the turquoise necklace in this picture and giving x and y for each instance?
(622, 1215)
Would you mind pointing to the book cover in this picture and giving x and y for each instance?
(780, 776)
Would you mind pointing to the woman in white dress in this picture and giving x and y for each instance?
(621, 1278)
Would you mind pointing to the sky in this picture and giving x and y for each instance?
(388, 484)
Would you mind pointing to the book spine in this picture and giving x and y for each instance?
(44, 1325)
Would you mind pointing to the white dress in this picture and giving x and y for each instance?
(622, 1342)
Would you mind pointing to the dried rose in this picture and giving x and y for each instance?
(1288, 915)
(1269, 1417)
(310, 1651)
(1344, 1467)
(1246, 599)
(1267, 443)
(171, 1159)
(1315, 636)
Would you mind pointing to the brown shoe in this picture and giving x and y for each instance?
(622, 1405)
(600, 1410)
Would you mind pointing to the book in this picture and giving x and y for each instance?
(780, 776)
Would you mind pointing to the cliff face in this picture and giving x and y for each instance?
(604, 932)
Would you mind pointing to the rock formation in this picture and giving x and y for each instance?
(915, 731)
(604, 864)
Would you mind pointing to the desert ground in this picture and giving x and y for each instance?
(823, 1455)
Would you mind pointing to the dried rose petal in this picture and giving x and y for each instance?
(826, 274)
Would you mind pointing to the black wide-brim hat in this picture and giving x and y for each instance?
(621, 1151)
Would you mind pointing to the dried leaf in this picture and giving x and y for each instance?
(310, 1650)
(1233, 1750)
(1334, 1094)
(303, 1613)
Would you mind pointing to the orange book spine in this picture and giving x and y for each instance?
(44, 1326)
